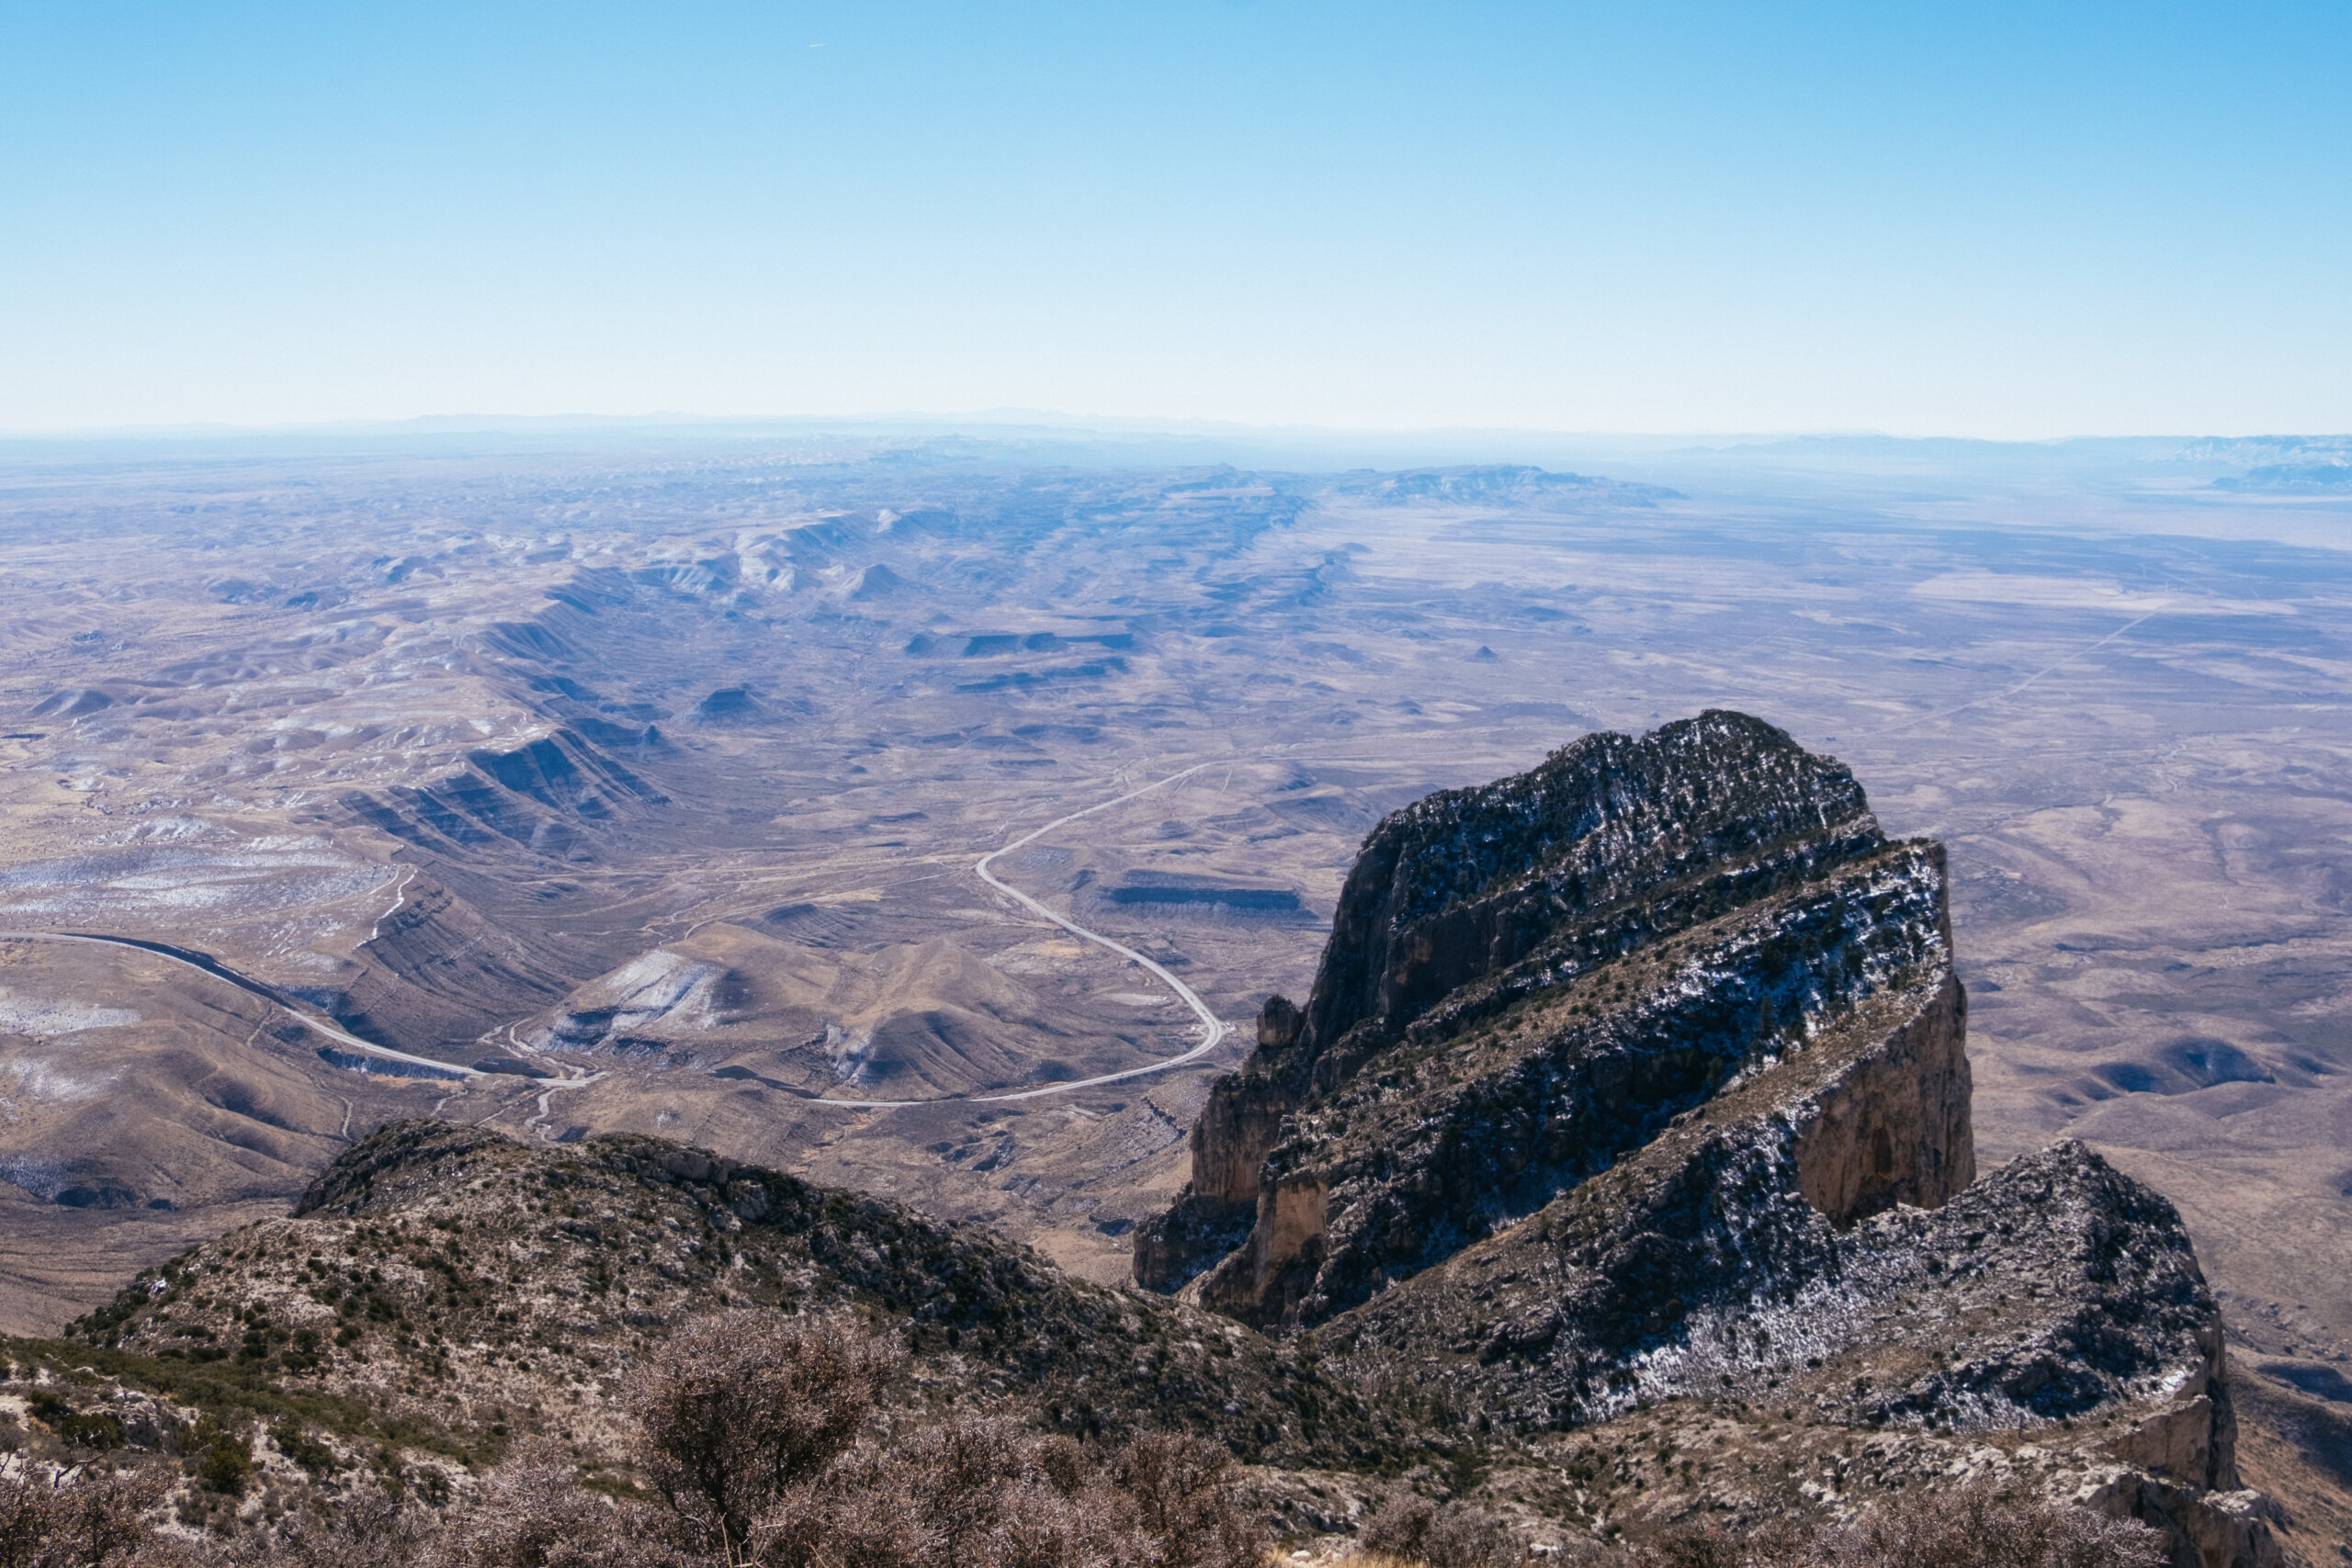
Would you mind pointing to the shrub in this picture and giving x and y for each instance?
(980, 1493)
(740, 1409)
(366, 1528)
(92, 1429)
(1974, 1527)
(535, 1514)
(220, 1459)
(1699, 1546)
(753, 1431)
(1453, 1536)
(94, 1520)
(1968, 1527)
(295, 1441)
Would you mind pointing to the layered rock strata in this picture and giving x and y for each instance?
(1437, 1143)
(1638, 1084)
(1526, 979)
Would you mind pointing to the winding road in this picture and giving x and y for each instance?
(1213, 1028)
(205, 964)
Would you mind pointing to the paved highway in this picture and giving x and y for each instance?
(205, 964)
(1213, 1028)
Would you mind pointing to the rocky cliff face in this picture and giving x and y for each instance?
(1608, 843)
(1551, 967)
(1638, 1084)
(1437, 1143)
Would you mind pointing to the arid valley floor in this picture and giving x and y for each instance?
(643, 783)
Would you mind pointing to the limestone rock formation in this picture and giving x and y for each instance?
(1639, 1083)
(1546, 971)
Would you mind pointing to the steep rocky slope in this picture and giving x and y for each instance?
(1636, 1086)
(1526, 979)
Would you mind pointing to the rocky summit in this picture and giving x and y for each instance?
(1632, 1094)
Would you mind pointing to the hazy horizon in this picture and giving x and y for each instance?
(995, 418)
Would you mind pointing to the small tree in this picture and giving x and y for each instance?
(224, 1456)
(741, 1409)
(93, 1520)
(535, 1514)
(1453, 1536)
(367, 1528)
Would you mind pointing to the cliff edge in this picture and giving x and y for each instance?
(1635, 1088)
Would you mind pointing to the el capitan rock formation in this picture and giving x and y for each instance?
(1638, 1082)
(1557, 966)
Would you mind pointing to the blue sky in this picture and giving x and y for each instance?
(1965, 219)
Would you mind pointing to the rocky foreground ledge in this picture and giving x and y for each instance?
(1629, 1112)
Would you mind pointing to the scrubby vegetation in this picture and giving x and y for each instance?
(759, 1444)
(763, 1441)
(462, 1347)
(1967, 1527)
(444, 1289)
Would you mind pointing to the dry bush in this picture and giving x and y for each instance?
(980, 1493)
(1699, 1546)
(751, 1431)
(1177, 1483)
(80, 1519)
(1971, 1527)
(535, 1514)
(366, 1528)
(754, 1432)
(1974, 1527)
(740, 1409)
(1453, 1536)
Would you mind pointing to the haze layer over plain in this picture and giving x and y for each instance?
(660, 772)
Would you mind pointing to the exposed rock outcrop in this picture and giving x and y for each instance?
(1503, 954)
(548, 795)
(1434, 1146)
(1639, 1083)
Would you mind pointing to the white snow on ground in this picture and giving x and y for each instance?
(271, 875)
(21, 1014)
(165, 829)
(849, 1052)
(44, 1178)
(653, 986)
(656, 985)
(31, 1077)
